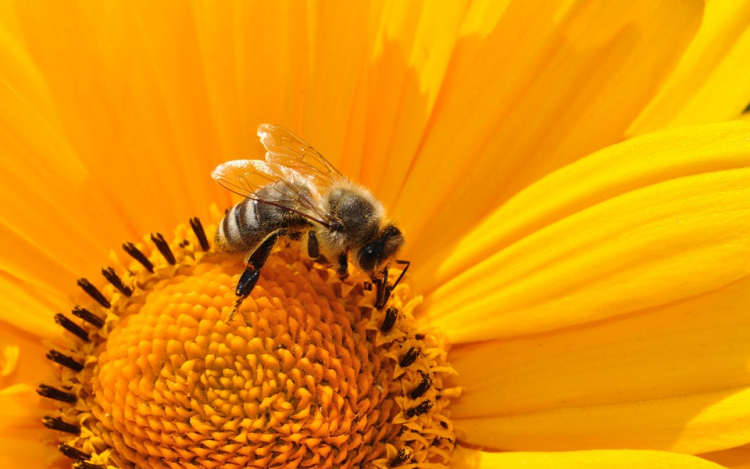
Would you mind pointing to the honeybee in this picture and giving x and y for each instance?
(296, 191)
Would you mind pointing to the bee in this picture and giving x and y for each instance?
(293, 192)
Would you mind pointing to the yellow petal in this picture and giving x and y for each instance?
(539, 93)
(595, 384)
(735, 458)
(603, 459)
(24, 356)
(643, 223)
(642, 424)
(24, 453)
(21, 412)
(20, 442)
(413, 49)
(712, 81)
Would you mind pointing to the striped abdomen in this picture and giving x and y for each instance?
(250, 221)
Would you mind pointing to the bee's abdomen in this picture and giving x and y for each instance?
(241, 228)
(250, 221)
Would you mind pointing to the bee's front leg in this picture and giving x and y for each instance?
(343, 267)
(255, 262)
(383, 291)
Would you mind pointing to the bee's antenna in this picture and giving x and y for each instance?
(403, 272)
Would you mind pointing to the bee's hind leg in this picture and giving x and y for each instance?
(313, 250)
(255, 262)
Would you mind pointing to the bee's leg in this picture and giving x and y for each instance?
(383, 291)
(343, 267)
(255, 262)
(312, 245)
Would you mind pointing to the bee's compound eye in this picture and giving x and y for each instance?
(369, 256)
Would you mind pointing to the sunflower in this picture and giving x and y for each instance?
(571, 185)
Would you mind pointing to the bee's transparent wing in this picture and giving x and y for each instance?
(288, 150)
(283, 187)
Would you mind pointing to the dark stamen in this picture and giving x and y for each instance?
(409, 358)
(72, 453)
(422, 387)
(86, 465)
(112, 277)
(419, 336)
(56, 394)
(93, 292)
(422, 408)
(200, 233)
(88, 316)
(402, 456)
(367, 286)
(163, 247)
(64, 360)
(390, 319)
(71, 327)
(136, 254)
(56, 423)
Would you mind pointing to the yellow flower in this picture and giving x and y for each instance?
(595, 294)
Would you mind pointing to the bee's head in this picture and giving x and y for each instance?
(385, 245)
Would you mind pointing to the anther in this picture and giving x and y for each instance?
(56, 394)
(88, 316)
(86, 465)
(401, 458)
(72, 453)
(389, 320)
(112, 277)
(163, 247)
(409, 358)
(422, 387)
(422, 408)
(200, 233)
(71, 327)
(136, 254)
(64, 360)
(56, 423)
(93, 292)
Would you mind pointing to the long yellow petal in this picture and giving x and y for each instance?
(540, 92)
(643, 223)
(20, 442)
(735, 458)
(680, 359)
(23, 357)
(712, 81)
(603, 459)
(641, 424)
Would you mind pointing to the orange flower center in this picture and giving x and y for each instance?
(306, 374)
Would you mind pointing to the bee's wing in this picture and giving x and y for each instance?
(288, 150)
(284, 187)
